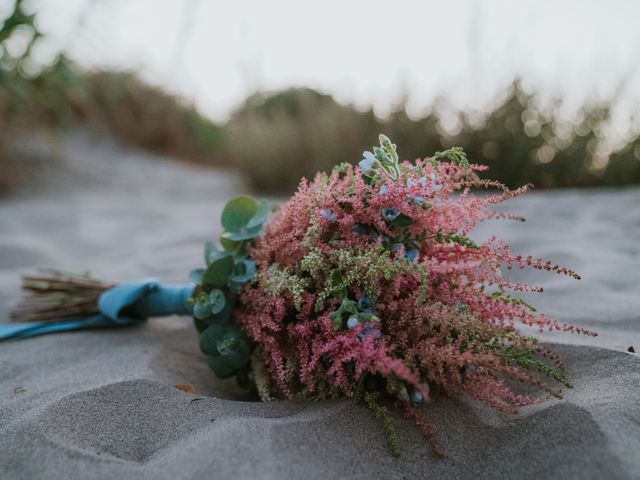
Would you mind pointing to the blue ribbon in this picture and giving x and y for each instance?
(126, 304)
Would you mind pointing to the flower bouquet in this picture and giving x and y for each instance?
(365, 284)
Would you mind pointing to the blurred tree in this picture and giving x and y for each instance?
(15, 88)
(277, 138)
(36, 97)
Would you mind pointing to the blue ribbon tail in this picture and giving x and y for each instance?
(125, 304)
(24, 330)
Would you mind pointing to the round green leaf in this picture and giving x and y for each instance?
(195, 276)
(235, 350)
(229, 245)
(242, 354)
(244, 271)
(238, 212)
(217, 300)
(224, 316)
(235, 287)
(234, 359)
(212, 253)
(226, 344)
(201, 310)
(220, 366)
(261, 214)
(245, 234)
(200, 325)
(209, 339)
(218, 272)
(209, 248)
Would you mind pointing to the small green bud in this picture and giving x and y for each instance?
(403, 394)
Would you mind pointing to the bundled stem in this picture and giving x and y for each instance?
(55, 294)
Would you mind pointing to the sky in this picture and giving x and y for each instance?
(371, 52)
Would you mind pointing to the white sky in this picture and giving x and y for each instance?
(363, 52)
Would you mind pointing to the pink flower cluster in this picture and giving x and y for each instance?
(368, 282)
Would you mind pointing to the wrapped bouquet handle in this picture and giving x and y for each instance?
(60, 301)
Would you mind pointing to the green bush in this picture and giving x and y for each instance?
(61, 95)
(275, 139)
(149, 117)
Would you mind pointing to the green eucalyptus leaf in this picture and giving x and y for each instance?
(235, 287)
(216, 256)
(238, 212)
(217, 300)
(228, 342)
(261, 214)
(227, 348)
(200, 325)
(221, 366)
(242, 353)
(218, 272)
(244, 271)
(235, 359)
(224, 316)
(209, 248)
(195, 276)
(243, 234)
(209, 338)
(202, 310)
(212, 253)
(239, 257)
(234, 348)
(230, 246)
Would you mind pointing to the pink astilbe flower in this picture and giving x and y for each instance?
(368, 282)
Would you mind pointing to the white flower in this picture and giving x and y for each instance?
(366, 165)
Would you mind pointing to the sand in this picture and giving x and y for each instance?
(104, 404)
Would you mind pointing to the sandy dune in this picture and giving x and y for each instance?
(103, 404)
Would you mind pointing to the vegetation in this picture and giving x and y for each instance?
(276, 138)
(61, 95)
